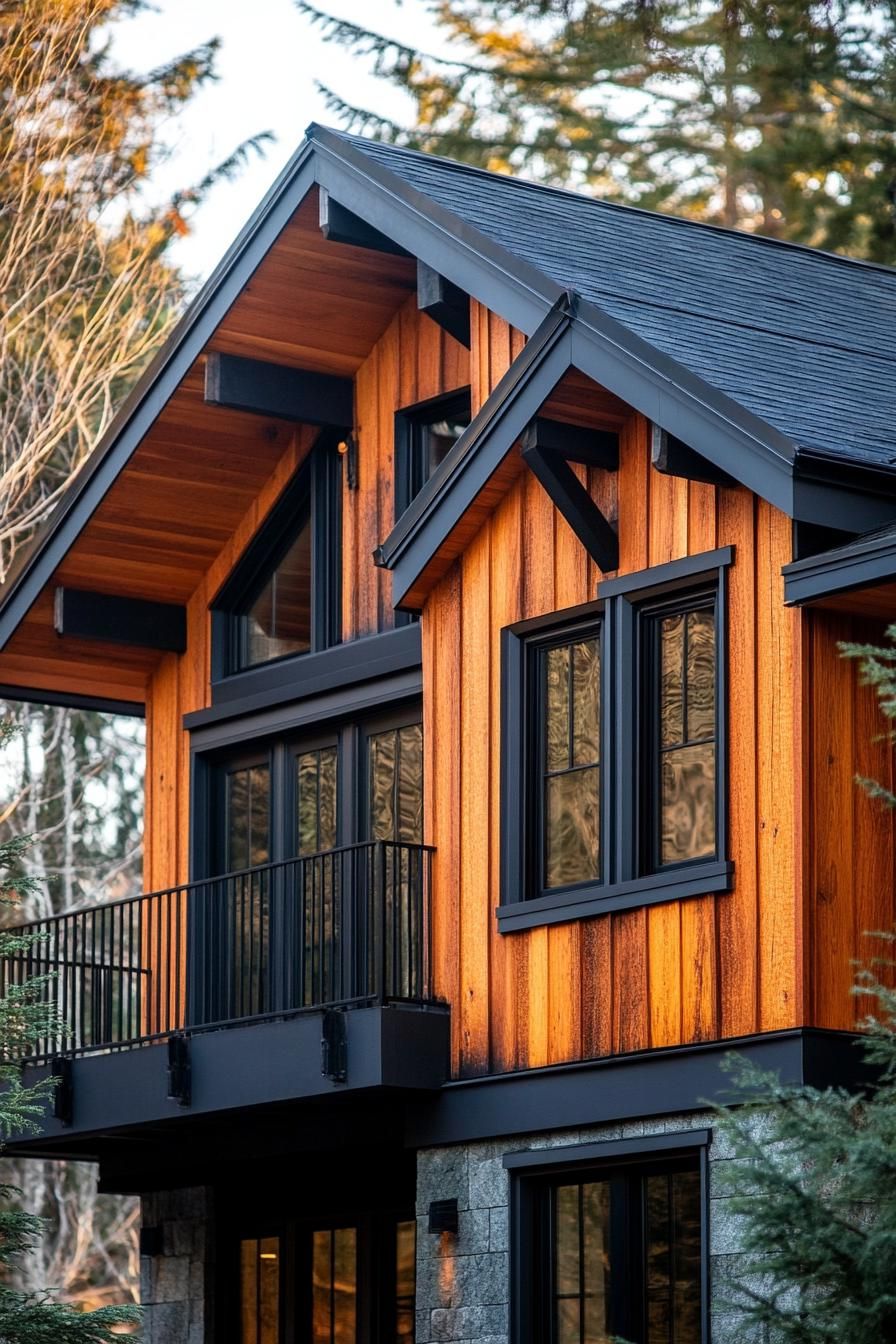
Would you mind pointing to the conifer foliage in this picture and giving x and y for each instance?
(773, 115)
(25, 1017)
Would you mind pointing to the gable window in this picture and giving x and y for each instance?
(424, 435)
(610, 1247)
(613, 748)
(283, 598)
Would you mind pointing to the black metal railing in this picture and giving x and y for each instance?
(348, 926)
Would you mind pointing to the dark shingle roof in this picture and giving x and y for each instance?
(802, 338)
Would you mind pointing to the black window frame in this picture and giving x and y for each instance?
(411, 472)
(535, 1173)
(317, 487)
(628, 878)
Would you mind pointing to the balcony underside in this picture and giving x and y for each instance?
(120, 1100)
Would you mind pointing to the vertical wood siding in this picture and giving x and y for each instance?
(680, 972)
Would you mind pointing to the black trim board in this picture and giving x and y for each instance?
(112, 619)
(605, 1150)
(277, 390)
(291, 680)
(133, 709)
(866, 562)
(639, 1086)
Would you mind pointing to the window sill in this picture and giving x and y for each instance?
(694, 879)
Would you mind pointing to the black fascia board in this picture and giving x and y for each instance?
(153, 390)
(478, 452)
(113, 619)
(262, 388)
(99, 704)
(643, 1085)
(866, 562)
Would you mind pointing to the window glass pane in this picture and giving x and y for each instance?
(672, 1248)
(405, 1281)
(688, 803)
(701, 675)
(596, 1261)
(566, 1241)
(334, 1286)
(316, 798)
(671, 680)
(586, 703)
(395, 790)
(260, 1291)
(556, 714)
(442, 435)
(572, 827)
(278, 621)
(247, 817)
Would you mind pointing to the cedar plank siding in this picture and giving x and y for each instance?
(759, 958)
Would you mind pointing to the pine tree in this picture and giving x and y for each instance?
(772, 115)
(26, 1017)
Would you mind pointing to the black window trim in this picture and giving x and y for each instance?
(317, 481)
(625, 884)
(407, 421)
(531, 1170)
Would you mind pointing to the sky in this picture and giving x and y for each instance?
(269, 59)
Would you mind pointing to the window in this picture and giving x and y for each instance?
(283, 598)
(424, 435)
(613, 748)
(610, 1246)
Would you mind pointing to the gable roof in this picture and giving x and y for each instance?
(768, 359)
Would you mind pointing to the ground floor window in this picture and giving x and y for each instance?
(609, 1249)
(351, 1283)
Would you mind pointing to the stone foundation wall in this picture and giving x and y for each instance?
(463, 1280)
(176, 1287)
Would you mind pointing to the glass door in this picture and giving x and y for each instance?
(350, 1282)
(315, 886)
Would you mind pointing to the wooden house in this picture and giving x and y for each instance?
(478, 553)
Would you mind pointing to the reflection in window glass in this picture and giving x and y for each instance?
(260, 1291)
(672, 1244)
(405, 1281)
(247, 803)
(582, 1263)
(278, 620)
(687, 735)
(316, 780)
(334, 1286)
(395, 785)
(570, 696)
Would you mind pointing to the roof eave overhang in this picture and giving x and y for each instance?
(859, 565)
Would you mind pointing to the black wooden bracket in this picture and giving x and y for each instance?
(179, 1071)
(671, 457)
(276, 390)
(334, 1046)
(113, 619)
(447, 305)
(596, 534)
(62, 1070)
(339, 225)
(592, 447)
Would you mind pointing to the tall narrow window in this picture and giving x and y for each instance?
(334, 1311)
(283, 598)
(681, 685)
(405, 1280)
(568, 747)
(395, 784)
(260, 1291)
(247, 817)
(316, 800)
(424, 436)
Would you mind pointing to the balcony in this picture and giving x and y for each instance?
(290, 980)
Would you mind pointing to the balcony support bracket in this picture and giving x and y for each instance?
(61, 1069)
(333, 1046)
(179, 1075)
